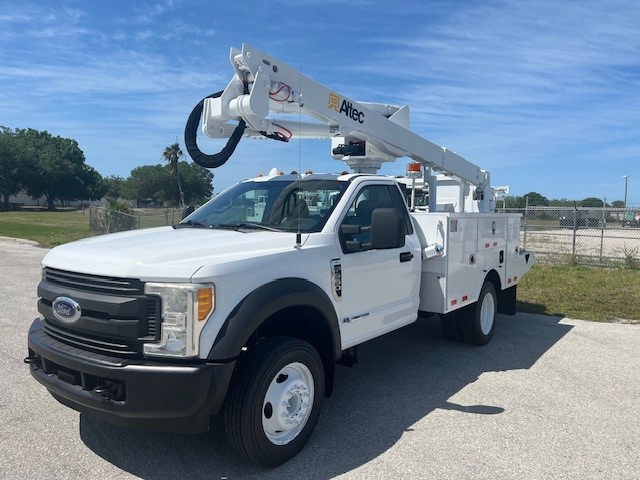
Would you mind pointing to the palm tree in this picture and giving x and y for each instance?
(173, 154)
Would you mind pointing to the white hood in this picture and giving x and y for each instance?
(164, 254)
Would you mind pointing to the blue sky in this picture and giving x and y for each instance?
(543, 94)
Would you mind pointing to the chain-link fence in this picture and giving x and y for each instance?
(106, 220)
(606, 237)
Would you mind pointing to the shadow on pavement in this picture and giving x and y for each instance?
(401, 378)
(529, 307)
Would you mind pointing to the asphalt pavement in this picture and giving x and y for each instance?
(547, 398)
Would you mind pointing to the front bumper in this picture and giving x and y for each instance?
(149, 395)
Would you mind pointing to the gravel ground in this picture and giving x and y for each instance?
(548, 398)
(612, 244)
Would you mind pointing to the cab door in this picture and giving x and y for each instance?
(380, 286)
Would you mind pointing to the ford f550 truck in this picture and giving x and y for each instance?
(248, 304)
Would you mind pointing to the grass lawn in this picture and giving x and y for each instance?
(578, 292)
(62, 226)
(586, 293)
(47, 228)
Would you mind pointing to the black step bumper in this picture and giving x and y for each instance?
(170, 397)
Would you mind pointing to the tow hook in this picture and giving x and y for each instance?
(30, 360)
(107, 393)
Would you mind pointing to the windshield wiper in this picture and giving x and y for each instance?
(191, 224)
(247, 226)
(259, 226)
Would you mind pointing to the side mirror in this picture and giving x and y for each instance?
(186, 211)
(354, 245)
(348, 229)
(388, 228)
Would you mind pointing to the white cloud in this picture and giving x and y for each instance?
(149, 12)
(510, 85)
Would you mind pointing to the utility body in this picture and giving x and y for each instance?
(248, 303)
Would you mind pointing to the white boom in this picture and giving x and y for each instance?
(364, 135)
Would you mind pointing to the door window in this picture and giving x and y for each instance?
(359, 213)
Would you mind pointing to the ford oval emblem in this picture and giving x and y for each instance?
(66, 309)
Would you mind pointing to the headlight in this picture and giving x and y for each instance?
(185, 310)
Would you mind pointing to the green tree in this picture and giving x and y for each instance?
(513, 201)
(93, 185)
(591, 202)
(172, 154)
(535, 199)
(11, 173)
(149, 182)
(156, 183)
(618, 204)
(56, 168)
(197, 182)
(562, 202)
(113, 186)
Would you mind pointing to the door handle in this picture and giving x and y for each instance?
(406, 256)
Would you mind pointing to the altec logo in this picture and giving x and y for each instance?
(345, 107)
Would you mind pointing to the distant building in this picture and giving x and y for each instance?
(22, 199)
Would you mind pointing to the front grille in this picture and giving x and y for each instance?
(93, 344)
(93, 283)
(132, 318)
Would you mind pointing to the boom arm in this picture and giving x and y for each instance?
(364, 135)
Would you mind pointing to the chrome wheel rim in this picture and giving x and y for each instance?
(288, 403)
(487, 313)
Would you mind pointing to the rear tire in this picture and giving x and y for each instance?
(274, 400)
(479, 319)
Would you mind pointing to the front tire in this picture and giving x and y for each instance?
(274, 400)
(480, 318)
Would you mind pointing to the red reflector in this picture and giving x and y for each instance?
(515, 278)
(509, 281)
(495, 244)
(486, 245)
(465, 298)
(454, 302)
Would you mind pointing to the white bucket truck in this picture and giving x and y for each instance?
(248, 303)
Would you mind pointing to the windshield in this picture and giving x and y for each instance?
(303, 205)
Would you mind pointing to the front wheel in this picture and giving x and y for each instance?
(274, 400)
(480, 318)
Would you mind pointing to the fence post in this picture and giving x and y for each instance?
(526, 208)
(604, 224)
(575, 231)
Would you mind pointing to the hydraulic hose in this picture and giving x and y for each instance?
(190, 132)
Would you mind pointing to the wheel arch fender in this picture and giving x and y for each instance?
(494, 277)
(506, 298)
(268, 310)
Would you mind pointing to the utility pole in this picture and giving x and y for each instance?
(626, 178)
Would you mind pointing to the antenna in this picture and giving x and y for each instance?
(298, 244)
(300, 122)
